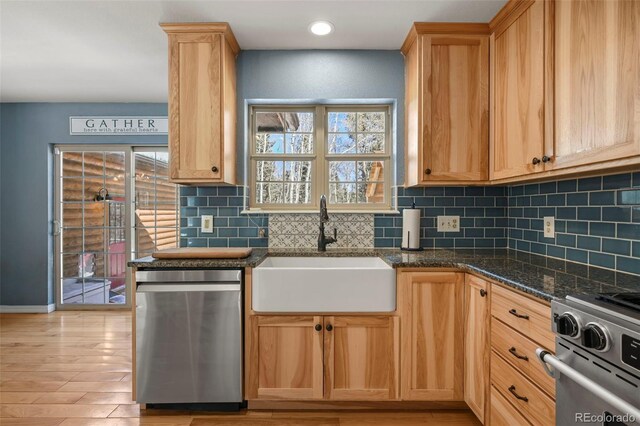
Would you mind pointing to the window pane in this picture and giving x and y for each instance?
(371, 122)
(342, 171)
(370, 170)
(299, 143)
(342, 143)
(342, 121)
(299, 171)
(297, 193)
(300, 122)
(272, 143)
(269, 193)
(371, 192)
(342, 193)
(370, 143)
(281, 121)
(269, 170)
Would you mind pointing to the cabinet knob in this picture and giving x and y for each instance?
(546, 159)
(535, 161)
(214, 169)
(483, 292)
(318, 327)
(427, 171)
(329, 327)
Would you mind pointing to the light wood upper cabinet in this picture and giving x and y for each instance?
(518, 102)
(476, 345)
(432, 360)
(597, 82)
(361, 358)
(286, 357)
(447, 116)
(202, 103)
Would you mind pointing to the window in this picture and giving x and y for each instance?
(300, 153)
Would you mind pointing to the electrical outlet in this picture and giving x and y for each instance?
(206, 222)
(448, 223)
(549, 226)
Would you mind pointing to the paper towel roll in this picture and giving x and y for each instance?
(411, 228)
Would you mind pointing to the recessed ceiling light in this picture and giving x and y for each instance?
(321, 28)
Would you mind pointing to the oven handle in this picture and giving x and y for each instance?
(560, 367)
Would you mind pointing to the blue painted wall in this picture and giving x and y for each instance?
(321, 75)
(27, 134)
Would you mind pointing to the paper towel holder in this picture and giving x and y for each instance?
(413, 206)
(409, 248)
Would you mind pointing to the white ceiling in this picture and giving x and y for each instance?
(114, 51)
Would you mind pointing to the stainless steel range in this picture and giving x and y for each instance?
(597, 361)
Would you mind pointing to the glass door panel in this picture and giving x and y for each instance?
(156, 203)
(92, 253)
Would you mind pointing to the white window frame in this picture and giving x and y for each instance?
(320, 158)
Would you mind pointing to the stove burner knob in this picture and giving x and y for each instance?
(594, 336)
(568, 325)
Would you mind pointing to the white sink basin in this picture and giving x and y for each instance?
(323, 284)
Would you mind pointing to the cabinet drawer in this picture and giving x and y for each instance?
(503, 413)
(521, 353)
(527, 316)
(534, 404)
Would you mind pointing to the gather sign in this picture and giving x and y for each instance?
(118, 125)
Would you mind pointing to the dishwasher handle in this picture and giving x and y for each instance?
(560, 367)
(189, 275)
(190, 287)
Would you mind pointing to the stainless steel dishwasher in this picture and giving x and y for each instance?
(189, 336)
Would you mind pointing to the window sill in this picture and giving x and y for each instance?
(259, 211)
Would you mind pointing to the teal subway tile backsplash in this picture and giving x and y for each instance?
(597, 219)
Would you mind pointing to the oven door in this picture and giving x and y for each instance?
(590, 390)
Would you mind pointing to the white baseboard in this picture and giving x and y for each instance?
(27, 309)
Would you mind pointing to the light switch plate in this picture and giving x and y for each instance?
(448, 223)
(206, 223)
(549, 226)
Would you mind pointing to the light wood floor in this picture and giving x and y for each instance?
(74, 369)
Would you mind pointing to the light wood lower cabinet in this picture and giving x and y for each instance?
(503, 413)
(348, 358)
(361, 358)
(431, 306)
(286, 357)
(476, 345)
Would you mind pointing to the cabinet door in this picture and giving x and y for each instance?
(201, 98)
(476, 345)
(597, 81)
(456, 106)
(432, 360)
(286, 357)
(517, 67)
(361, 357)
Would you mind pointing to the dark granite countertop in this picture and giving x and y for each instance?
(540, 276)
